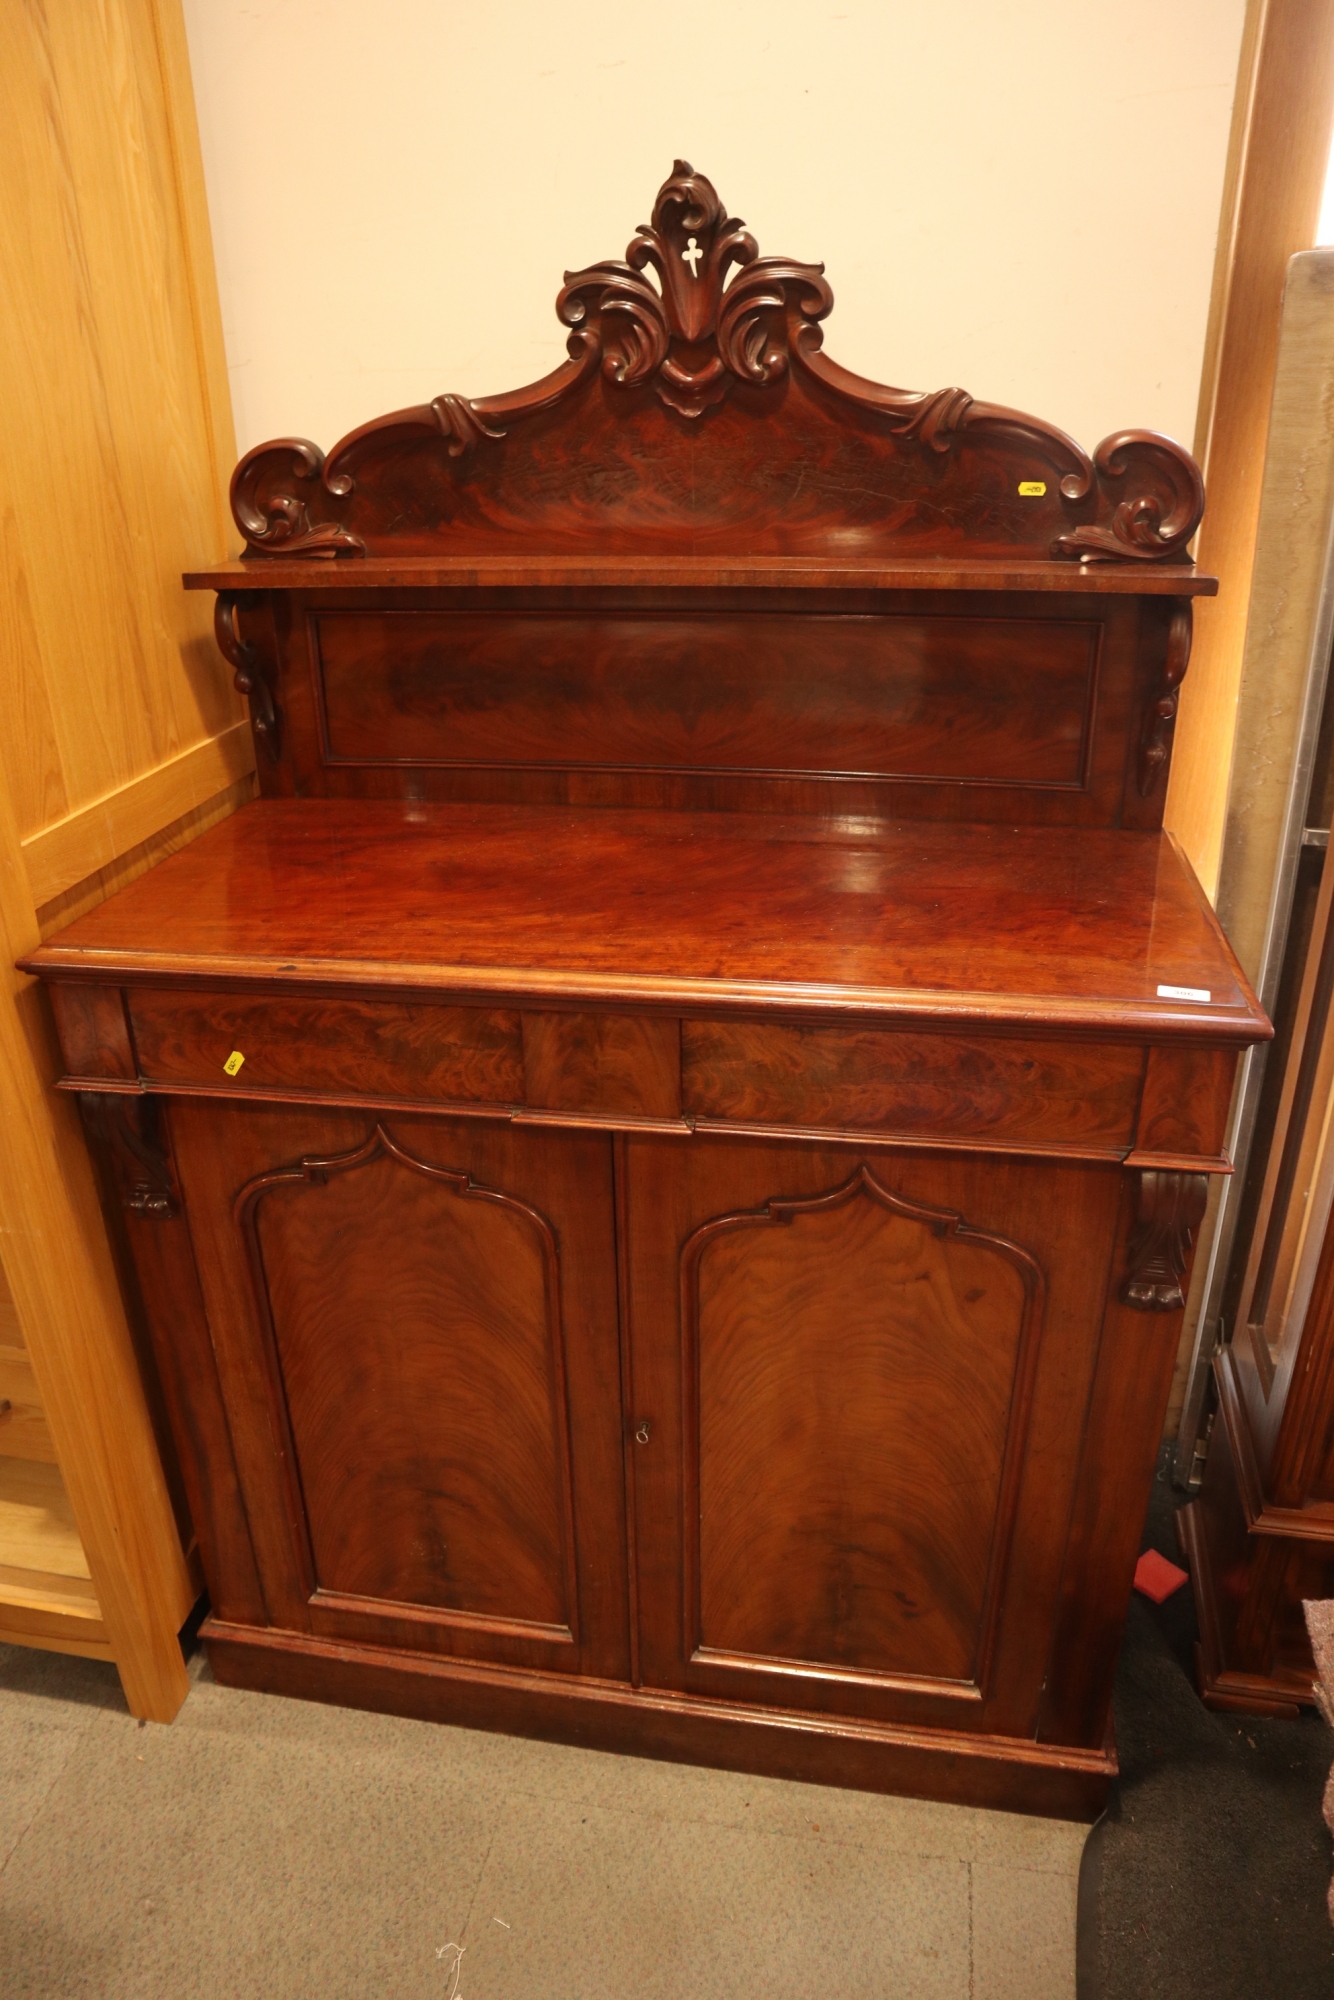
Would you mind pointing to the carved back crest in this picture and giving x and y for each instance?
(698, 412)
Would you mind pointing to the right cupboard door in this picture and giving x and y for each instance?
(858, 1387)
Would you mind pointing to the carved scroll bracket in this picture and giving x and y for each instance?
(1160, 717)
(1169, 1211)
(251, 679)
(130, 1130)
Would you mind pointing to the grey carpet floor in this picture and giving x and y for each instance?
(261, 1847)
(1208, 1875)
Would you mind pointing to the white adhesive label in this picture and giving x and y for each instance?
(1184, 993)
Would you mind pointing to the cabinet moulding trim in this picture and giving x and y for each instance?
(610, 1121)
(1163, 1023)
(1065, 1780)
(814, 1671)
(59, 856)
(1301, 1524)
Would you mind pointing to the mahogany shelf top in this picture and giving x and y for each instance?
(703, 911)
(702, 572)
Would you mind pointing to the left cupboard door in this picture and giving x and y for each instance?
(416, 1333)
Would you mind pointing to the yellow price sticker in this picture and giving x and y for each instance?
(233, 1062)
(1032, 489)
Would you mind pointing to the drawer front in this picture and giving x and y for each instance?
(460, 1055)
(951, 1086)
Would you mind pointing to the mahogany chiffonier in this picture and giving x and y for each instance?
(661, 1154)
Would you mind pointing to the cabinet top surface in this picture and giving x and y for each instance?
(738, 911)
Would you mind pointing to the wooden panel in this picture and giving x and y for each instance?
(1185, 1105)
(859, 1355)
(37, 1529)
(112, 322)
(23, 1427)
(363, 1049)
(763, 1073)
(94, 1033)
(65, 853)
(616, 1063)
(844, 1477)
(425, 1388)
(415, 1362)
(979, 700)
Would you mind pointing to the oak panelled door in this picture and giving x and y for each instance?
(424, 1310)
(845, 1511)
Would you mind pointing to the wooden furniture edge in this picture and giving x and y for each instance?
(521, 571)
(1127, 1020)
(1009, 1774)
(1219, 1687)
(1263, 1517)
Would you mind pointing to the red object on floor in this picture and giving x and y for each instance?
(1156, 1577)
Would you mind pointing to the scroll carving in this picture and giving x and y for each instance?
(1170, 1209)
(250, 680)
(128, 1126)
(1160, 717)
(694, 314)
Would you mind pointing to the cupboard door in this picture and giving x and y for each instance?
(416, 1329)
(846, 1368)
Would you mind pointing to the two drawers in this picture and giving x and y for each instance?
(1095, 1099)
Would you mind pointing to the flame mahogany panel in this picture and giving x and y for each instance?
(973, 699)
(896, 1318)
(767, 1073)
(390, 1049)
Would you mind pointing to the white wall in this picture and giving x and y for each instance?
(1017, 196)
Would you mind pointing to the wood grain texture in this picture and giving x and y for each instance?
(968, 923)
(1282, 120)
(602, 1062)
(459, 1054)
(23, 1427)
(93, 1030)
(112, 323)
(425, 1390)
(836, 1285)
(975, 700)
(773, 1074)
(414, 1359)
(1187, 1095)
(67, 852)
(814, 1532)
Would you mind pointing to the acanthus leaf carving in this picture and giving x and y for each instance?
(695, 312)
(1169, 1209)
(275, 516)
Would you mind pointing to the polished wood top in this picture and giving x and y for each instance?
(706, 911)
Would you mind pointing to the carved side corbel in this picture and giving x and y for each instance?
(251, 679)
(1155, 744)
(130, 1130)
(1169, 1211)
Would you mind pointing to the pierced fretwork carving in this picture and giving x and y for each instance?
(1160, 717)
(129, 1127)
(1169, 1212)
(695, 314)
(251, 679)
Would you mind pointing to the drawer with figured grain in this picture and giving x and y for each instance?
(352, 1048)
(1077, 1095)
